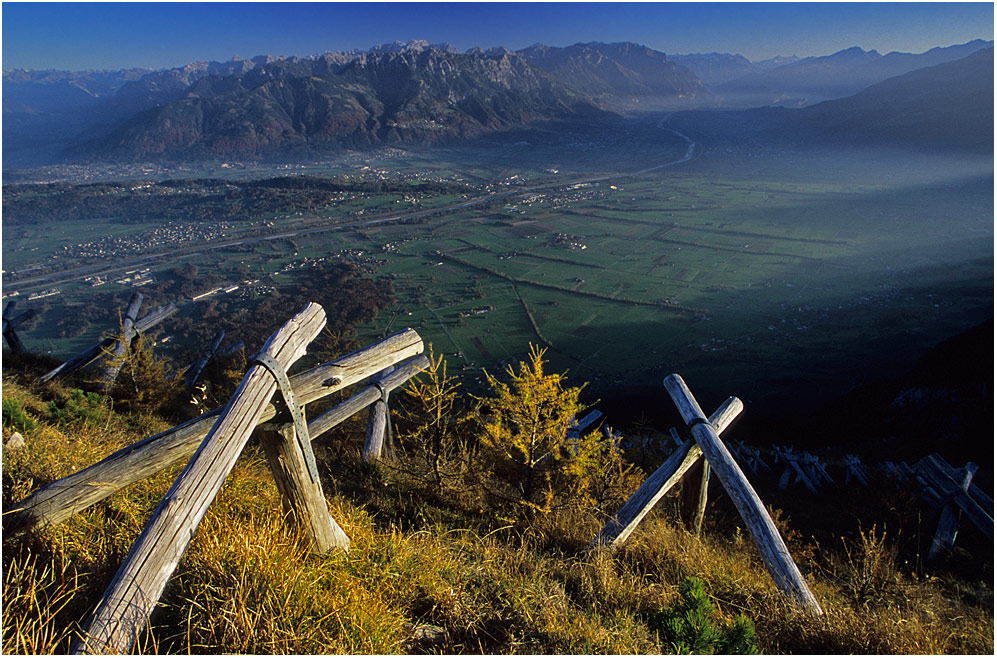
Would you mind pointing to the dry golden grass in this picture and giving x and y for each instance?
(249, 585)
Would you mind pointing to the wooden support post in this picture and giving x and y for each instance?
(124, 608)
(301, 494)
(194, 372)
(692, 503)
(90, 354)
(59, 500)
(116, 357)
(389, 435)
(389, 432)
(377, 422)
(642, 501)
(776, 556)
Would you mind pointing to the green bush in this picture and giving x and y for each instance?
(86, 407)
(689, 626)
(14, 416)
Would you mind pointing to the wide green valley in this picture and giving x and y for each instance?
(784, 275)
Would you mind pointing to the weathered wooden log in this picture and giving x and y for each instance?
(194, 371)
(87, 356)
(579, 426)
(979, 497)
(642, 501)
(59, 500)
(116, 355)
(773, 549)
(301, 494)
(81, 360)
(124, 609)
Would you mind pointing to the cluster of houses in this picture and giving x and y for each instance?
(171, 234)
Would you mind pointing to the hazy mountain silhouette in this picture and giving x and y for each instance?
(948, 107)
(814, 79)
(417, 92)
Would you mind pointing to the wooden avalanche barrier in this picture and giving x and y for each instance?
(124, 609)
(776, 556)
(11, 322)
(93, 352)
(193, 373)
(116, 355)
(706, 444)
(951, 490)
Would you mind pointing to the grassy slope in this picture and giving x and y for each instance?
(247, 584)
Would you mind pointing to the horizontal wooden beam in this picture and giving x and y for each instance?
(61, 499)
(364, 398)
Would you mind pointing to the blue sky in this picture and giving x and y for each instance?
(159, 35)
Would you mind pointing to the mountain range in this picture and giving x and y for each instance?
(410, 96)
(415, 92)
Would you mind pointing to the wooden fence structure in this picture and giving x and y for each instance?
(213, 442)
(193, 372)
